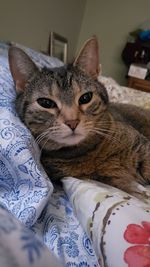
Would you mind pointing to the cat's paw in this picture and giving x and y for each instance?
(140, 192)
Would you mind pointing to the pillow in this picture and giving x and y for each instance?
(24, 185)
(40, 59)
(117, 223)
(4, 48)
(20, 247)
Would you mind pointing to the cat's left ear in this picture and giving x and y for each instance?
(21, 66)
(88, 58)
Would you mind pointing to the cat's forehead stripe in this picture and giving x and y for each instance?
(64, 86)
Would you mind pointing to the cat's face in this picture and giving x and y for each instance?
(62, 106)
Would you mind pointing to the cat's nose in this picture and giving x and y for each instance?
(72, 124)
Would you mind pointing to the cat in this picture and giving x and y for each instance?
(80, 133)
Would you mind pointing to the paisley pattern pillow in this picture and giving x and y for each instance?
(22, 188)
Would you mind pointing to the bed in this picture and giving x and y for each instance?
(81, 224)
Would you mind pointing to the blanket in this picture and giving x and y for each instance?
(80, 224)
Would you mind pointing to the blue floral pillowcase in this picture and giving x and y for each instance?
(24, 185)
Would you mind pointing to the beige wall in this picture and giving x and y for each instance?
(111, 21)
(30, 21)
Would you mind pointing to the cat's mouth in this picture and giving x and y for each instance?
(72, 139)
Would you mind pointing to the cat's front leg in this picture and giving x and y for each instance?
(140, 192)
(133, 188)
(124, 181)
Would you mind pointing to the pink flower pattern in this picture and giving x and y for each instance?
(139, 254)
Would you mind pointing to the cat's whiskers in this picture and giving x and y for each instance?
(42, 147)
(100, 133)
(116, 125)
(111, 132)
(102, 129)
(46, 136)
(115, 132)
(105, 134)
(115, 128)
(49, 131)
(105, 129)
(99, 126)
(40, 137)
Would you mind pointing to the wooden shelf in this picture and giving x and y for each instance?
(139, 84)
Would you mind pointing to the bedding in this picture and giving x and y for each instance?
(125, 94)
(81, 224)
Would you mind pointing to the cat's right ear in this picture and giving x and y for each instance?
(88, 58)
(21, 67)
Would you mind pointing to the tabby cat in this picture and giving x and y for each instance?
(79, 132)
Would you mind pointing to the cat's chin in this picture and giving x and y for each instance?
(71, 140)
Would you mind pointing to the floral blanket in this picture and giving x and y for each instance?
(125, 94)
(80, 225)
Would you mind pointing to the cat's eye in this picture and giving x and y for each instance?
(46, 103)
(85, 98)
